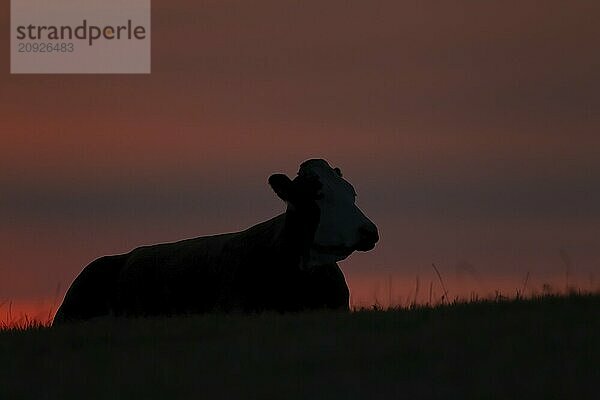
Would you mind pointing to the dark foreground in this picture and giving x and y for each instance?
(547, 348)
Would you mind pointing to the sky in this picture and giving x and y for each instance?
(469, 129)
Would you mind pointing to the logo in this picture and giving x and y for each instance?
(83, 36)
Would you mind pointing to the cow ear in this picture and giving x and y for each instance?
(282, 185)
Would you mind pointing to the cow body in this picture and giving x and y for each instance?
(272, 266)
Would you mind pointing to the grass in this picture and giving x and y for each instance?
(546, 347)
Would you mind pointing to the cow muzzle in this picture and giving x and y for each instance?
(368, 237)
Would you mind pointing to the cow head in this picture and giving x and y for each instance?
(327, 204)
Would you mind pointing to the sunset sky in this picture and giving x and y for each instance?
(470, 129)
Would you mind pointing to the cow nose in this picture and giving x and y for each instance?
(368, 237)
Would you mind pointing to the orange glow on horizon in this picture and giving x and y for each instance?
(365, 292)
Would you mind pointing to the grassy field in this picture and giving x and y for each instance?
(545, 348)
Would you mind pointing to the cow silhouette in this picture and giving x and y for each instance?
(285, 264)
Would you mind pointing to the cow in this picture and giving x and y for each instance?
(285, 264)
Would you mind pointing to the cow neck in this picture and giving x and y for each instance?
(299, 231)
